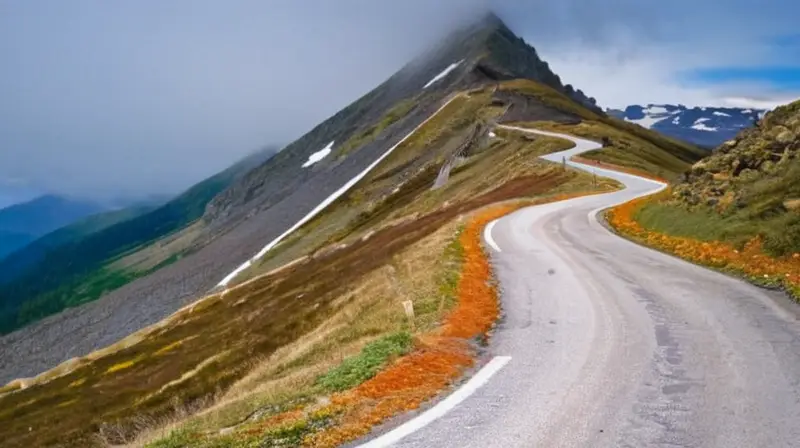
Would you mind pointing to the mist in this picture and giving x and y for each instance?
(104, 99)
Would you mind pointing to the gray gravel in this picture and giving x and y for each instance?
(613, 344)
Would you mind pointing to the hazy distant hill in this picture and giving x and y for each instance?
(20, 224)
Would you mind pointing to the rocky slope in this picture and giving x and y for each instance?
(269, 199)
(755, 177)
(707, 127)
(488, 51)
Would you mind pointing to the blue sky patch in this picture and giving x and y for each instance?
(781, 78)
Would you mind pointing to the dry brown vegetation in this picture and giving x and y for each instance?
(237, 330)
(259, 348)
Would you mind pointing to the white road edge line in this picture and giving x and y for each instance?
(487, 235)
(444, 406)
(321, 206)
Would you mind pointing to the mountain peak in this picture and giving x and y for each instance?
(492, 52)
(490, 19)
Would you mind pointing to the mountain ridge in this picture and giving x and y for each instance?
(707, 127)
(487, 50)
(52, 273)
(22, 223)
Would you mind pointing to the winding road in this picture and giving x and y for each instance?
(605, 343)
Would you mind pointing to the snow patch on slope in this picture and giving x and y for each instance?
(646, 122)
(319, 155)
(444, 73)
(721, 114)
(700, 126)
(656, 110)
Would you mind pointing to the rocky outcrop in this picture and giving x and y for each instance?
(488, 52)
(769, 152)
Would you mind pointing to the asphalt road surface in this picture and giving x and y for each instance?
(605, 343)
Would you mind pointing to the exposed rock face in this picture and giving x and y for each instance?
(761, 164)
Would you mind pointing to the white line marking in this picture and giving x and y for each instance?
(444, 406)
(487, 235)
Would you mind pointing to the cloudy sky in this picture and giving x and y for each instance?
(106, 98)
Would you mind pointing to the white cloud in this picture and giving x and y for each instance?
(628, 52)
(755, 103)
(652, 77)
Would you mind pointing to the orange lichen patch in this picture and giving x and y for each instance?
(275, 420)
(438, 359)
(404, 386)
(750, 261)
(439, 356)
(619, 168)
(477, 306)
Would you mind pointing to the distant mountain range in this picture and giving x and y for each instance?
(707, 127)
(23, 223)
(66, 266)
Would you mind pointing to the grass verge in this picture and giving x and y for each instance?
(639, 149)
(396, 373)
(646, 220)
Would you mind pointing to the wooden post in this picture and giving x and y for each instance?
(408, 306)
(564, 163)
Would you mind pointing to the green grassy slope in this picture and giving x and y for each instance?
(746, 188)
(630, 145)
(17, 262)
(25, 222)
(74, 273)
(214, 345)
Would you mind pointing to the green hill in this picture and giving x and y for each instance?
(71, 271)
(23, 223)
(747, 187)
(21, 260)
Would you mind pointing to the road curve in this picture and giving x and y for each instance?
(615, 345)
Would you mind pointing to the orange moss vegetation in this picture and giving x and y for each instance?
(623, 169)
(438, 358)
(751, 261)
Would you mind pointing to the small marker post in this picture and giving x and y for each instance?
(408, 306)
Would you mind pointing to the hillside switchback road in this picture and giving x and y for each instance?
(605, 343)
